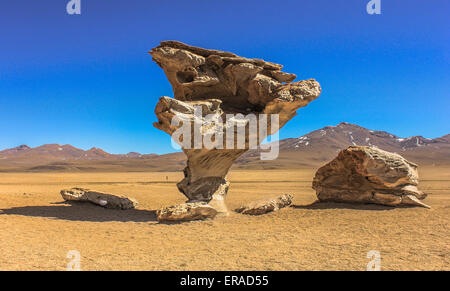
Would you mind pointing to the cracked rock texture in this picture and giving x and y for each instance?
(99, 198)
(222, 83)
(362, 174)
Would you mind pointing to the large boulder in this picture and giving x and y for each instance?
(362, 174)
(186, 212)
(222, 84)
(266, 206)
(102, 199)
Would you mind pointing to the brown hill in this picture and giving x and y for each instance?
(54, 157)
(321, 146)
(311, 150)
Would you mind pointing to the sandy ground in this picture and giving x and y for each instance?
(38, 229)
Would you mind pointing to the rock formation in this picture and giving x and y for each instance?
(99, 198)
(362, 174)
(266, 206)
(222, 83)
(186, 212)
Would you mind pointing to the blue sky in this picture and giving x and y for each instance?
(87, 79)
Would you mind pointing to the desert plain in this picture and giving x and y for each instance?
(39, 229)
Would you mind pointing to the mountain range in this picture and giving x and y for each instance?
(310, 150)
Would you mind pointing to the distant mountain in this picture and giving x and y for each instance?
(311, 150)
(321, 146)
(346, 134)
(53, 152)
(59, 157)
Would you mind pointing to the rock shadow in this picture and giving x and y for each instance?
(82, 211)
(335, 205)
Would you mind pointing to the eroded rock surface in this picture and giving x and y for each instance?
(186, 212)
(362, 174)
(99, 198)
(266, 206)
(222, 83)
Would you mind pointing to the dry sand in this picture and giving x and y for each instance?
(38, 229)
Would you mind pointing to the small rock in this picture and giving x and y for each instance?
(266, 206)
(103, 199)
(186, 212)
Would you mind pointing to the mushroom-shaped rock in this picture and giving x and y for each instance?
(266, 206)
(99, 198)
(210, 86)
(362, 174)
(186, 212)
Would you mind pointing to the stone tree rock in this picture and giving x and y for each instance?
(362, 174)
(266, 206)
(222, 83)
(99, 198)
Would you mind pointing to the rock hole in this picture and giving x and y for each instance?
(185, 77)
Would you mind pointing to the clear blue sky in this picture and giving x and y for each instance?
(87, 79)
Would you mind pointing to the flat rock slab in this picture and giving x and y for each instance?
(186, 212)
(266, 206)
(102, 199)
